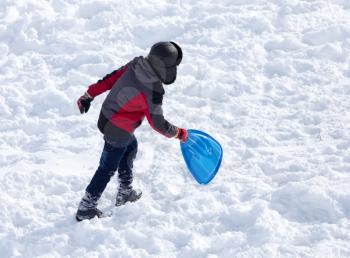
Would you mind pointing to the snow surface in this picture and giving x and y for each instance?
(269, 79)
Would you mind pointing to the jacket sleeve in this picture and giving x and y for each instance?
(106, 83)
(154, 113)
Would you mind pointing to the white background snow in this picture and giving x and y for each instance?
(269, 79)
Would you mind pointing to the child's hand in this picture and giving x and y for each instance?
(182, 134)
(84, 103)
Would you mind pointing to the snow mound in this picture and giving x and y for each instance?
(307, 204)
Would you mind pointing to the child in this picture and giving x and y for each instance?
(136, 91)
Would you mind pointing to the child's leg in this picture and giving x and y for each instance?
(125, 192)
(125, 167)
(109, 163)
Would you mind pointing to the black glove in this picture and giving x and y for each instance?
(84, 103)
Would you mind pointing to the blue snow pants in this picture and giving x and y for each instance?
(114, 157)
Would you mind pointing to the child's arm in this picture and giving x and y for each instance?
(155, 117)
(106, 83)
(98, 88)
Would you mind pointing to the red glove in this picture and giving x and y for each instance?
(84, 103)
(182, 134)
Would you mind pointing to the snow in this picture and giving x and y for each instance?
(268, 79)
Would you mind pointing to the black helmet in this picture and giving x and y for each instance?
(164, 57)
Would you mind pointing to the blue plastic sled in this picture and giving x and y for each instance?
(203, 155)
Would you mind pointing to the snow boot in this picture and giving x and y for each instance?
(127, 195)
(88, 214)
(88, 208)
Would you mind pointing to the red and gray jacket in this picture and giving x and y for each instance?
(135, 92)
